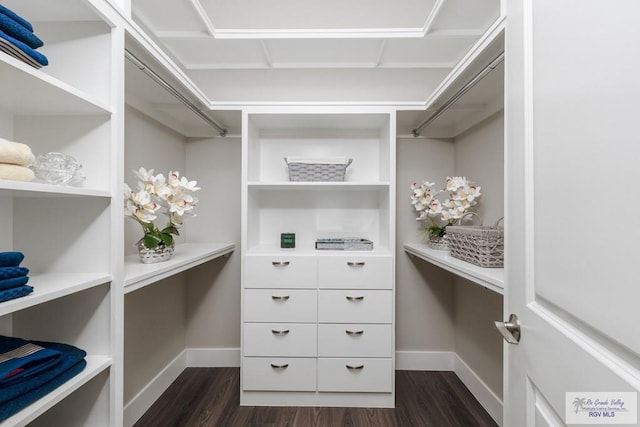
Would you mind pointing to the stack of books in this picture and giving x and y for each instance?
(344, 244)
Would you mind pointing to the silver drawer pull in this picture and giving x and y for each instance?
(350, 298)
(360, 332)
(283, 366)
(282, 332)
(279, 263)
(279, 298)
(353, 367)
(355, 264)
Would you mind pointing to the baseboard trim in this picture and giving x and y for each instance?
(213, 357)
(142, 401)
(424, 360)
(483, 394)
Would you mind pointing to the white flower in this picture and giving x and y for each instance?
(447, 205)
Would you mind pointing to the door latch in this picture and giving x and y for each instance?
(510, 329)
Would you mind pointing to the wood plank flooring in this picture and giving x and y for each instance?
(210, 397)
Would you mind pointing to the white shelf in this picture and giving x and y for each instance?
(47, 287)
(49, 96)
(311, 185)
(309, 249)
(36, 189)
(186, 256)
(95, 365)
(490, 278)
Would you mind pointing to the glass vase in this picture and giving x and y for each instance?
(435, 241)
(152, 255)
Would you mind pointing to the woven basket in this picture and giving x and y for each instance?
(479, 245)
(320, 171)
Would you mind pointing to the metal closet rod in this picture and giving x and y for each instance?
(498, 59)
(149, 72)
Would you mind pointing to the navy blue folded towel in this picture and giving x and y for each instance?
(14, 282)
(21, 360)
(19, 32)
(11, 259)
(31, 53)
(19, 19)
(14, 293)
(18, 396)
(11, 272)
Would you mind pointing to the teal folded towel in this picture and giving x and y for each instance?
(10, 272)
(14, 282)
(14, 293)
(19, 19)
(11, 259)
(18, 32)
(20, 360)
(18, 396)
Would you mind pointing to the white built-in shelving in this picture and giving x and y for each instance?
(186, 256)
(490, 278)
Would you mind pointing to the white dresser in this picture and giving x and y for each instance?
(317, 325)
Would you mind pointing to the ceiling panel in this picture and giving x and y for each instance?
(323, 52)
(174, 15)
(216, 53)
(326, 14)
(467, 14)
(426, 51)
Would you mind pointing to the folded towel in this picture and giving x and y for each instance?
(13, 293)
(19, 19)
(19, 32)
(11, 259)
(15, 153)
(15, 172)
(11, 272)
(70, 356)
(14, 282)
(21, 51)
(21, 360)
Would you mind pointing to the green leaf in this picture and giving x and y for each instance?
(151, 240)
(167, 238)
(170, 229)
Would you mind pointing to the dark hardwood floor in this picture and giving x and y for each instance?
(210, 397)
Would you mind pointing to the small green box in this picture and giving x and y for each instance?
(287, 240)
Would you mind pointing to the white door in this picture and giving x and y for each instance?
(573, 211)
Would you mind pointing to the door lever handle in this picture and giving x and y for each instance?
(510, 329)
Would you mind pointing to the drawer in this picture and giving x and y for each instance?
(280, 271)
(280, 305)
(355, 306)
(355, 272)
(278, 374)
(280, 339)
(356, 375)
(355, 340)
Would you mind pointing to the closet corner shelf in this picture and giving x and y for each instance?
(36, 189)
(95, 365)
(186, 256)
(47, 287)
(490, 278)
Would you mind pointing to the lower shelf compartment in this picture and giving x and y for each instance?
(95, 365)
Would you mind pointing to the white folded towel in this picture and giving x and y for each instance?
(15, 172)
(15, 153)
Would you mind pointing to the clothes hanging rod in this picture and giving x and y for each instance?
(486, 70)
(149, 72)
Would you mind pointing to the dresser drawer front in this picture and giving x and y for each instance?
(355, 375)
(280, 305)
(280, 339)
(355, 340)
(355, 306)
(280, 271)
(355, 272)
(278, 374)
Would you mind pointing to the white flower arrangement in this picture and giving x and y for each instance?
(154, 192)
(441, 208)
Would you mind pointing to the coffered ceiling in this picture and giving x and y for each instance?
(247, 52)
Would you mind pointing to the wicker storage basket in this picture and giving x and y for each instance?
(327, 169)
(479, 245)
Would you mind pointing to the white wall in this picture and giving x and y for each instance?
(424, 293)
(479, 155)
(155, 316)
(213, 298)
